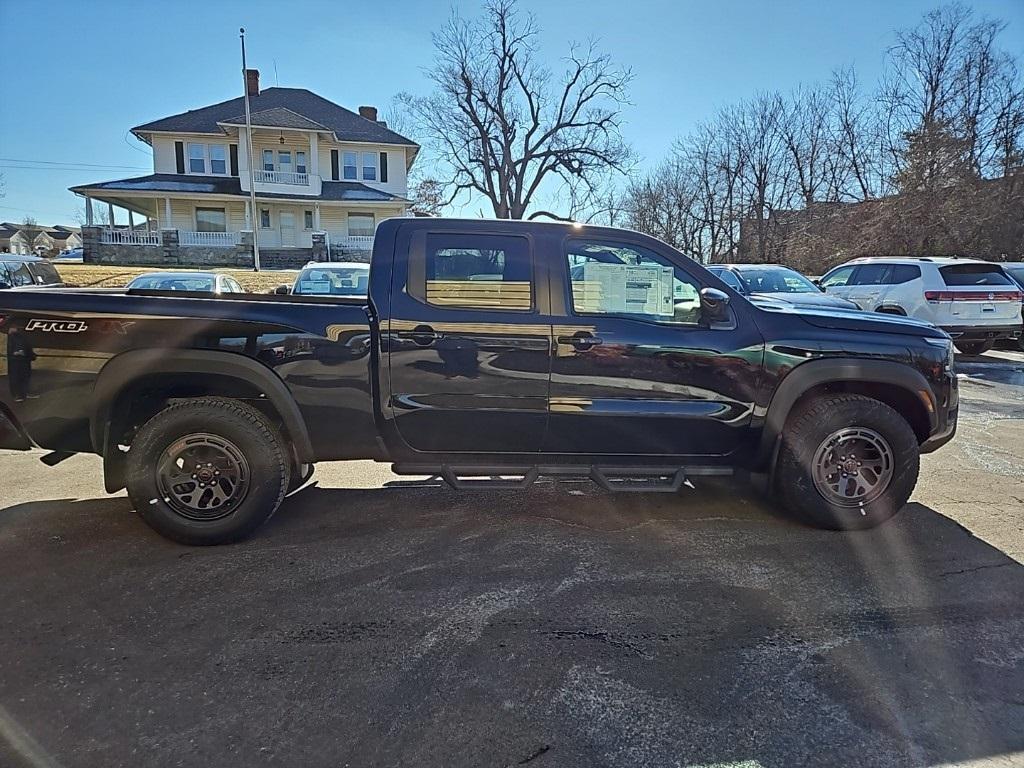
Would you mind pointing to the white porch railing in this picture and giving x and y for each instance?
(281, 177)
(129, 237)
(216, 239)
(355, 242)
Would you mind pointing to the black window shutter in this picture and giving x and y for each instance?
(383, 167)
(179, 156)
(233, 159)
(334, 165)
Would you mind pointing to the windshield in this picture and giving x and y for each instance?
(775, 280)
(333, 281)
(172, 283)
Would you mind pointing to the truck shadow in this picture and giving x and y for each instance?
(652, 629)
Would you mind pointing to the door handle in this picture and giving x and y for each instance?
(423, 335)
(581, 340)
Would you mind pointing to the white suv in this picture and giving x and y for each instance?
(975, 302)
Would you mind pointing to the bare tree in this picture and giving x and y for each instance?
(427, 197)
(501, 125)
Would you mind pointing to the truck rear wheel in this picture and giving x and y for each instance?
(847, 462)
(207, 471)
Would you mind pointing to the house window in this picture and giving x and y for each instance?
(218, 159)
(369, 166)
(300, 162)
(264, 218)
(349, 170)
(211, 220)
(284, 161)
(307, 218)
(360, 225)
(197, 158)
(268, 160)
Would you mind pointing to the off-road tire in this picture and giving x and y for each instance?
(974, 347)
(809, 427)
(258, 442)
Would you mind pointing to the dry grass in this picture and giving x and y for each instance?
(103, 276)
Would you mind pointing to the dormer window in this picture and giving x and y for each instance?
(350, 169)
(369, 166)
(196, 158)
(218, 159)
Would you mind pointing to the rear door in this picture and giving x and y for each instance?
(469, 342)
(867, 284)
(636, 369)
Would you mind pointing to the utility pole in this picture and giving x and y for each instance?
(254, 218)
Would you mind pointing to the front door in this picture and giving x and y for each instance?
(287, 224)
(636, 369)
(468, 343)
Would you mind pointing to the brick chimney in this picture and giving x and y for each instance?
(370, 113)
(252, 82)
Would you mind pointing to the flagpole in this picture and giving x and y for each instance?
(254, 213)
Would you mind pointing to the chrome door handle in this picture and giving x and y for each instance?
(581, 340)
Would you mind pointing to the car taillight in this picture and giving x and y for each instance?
(937, 296)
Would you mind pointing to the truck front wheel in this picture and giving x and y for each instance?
(207, 471)
(847, 462)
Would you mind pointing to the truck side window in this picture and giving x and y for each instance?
(478, 272)
(620, 279)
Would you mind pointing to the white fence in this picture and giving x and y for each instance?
(129, 237)
(215, 239)
(355, 243)
(281, 177)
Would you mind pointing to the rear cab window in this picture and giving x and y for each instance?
(471, 271)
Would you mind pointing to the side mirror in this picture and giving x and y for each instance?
(817, 282)
(714, 305)
(283, 290)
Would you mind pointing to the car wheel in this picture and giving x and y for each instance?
(207, 471)
(974, 347)
(847, 462)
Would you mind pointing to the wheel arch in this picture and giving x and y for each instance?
(157, 375)
(891, 309)
(895, 384)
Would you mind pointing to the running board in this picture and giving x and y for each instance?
(614, 479)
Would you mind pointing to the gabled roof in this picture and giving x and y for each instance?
(345, 191)
(346, 124)
(278, 117)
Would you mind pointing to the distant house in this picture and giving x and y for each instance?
(38, 240)
(318, 167)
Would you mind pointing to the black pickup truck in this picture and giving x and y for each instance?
(488, 353)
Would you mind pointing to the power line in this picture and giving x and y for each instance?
(66, 164)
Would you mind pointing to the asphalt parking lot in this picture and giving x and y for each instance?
(383, 621)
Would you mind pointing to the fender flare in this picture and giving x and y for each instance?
(815, 373)
(128, 367)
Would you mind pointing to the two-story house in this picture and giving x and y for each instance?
(317, 167)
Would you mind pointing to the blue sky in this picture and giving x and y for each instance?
(106, 66)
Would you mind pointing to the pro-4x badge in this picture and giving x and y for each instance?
(57, 326)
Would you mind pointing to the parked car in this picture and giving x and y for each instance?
(778, 283)
(1015, 269)
(976, 302)
(478, 356)
(70, 256)
(193, 282)
(19, 271)
(341, 278)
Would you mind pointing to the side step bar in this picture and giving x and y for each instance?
(614, 479)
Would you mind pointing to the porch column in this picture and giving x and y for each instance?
(110, 213)
(316, 216)
(88, 211)
(131, 221)
(167, 213)
(248, 215)
(314, 156)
